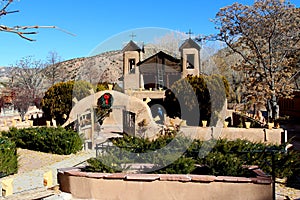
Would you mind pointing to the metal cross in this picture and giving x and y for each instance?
(132, 36)
(189, 33)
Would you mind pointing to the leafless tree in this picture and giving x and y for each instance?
(264, 35)
(223, 60)
(27, 84)
(169, 43)
(54, 72)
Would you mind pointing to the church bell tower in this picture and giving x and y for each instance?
(190, 58)
(131, 74)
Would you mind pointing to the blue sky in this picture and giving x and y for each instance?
(96, 21)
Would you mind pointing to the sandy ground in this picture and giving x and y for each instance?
(31, 160)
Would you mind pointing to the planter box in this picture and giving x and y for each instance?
(86, 185)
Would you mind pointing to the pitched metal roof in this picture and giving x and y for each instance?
(160, 54)
(131, 46)
(189, 43)
(170, 64)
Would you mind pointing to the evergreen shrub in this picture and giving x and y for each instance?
(8, 157)
(194, 93)
(219, 157)
(46, 139)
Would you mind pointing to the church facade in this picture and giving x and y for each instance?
(160, 70)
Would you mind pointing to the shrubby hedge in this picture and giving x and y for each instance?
(216, 157)
(46, 139)
(8, 157)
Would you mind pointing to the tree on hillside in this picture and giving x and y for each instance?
(265, 35)
(27, 83)
(53, 72)
(23, 31)
(90, 70)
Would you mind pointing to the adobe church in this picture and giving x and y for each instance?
(160, 70)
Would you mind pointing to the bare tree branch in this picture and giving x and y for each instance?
(3, 10)
(17, 30)
(22, 30)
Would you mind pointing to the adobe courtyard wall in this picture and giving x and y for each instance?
(270, 136)
(151, 129)
(84, 185)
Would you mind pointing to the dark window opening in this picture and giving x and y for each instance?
(190, 61)
(131, 65)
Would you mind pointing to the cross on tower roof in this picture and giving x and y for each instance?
(189, 33)
(132, 36)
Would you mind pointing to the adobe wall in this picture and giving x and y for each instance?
(271, 136)
(146, 93)
(131, 81)
(143, 112)
(85, 185)
(132, 104)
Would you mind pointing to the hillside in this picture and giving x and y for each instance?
(105, 67)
